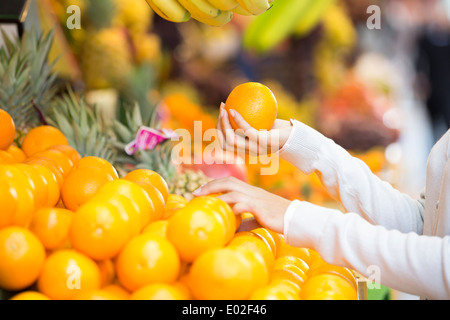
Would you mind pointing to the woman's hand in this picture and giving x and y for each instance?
(268, 209)
(246, 138)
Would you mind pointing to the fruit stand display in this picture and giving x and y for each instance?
(87, 203)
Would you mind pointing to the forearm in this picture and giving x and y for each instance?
(350, 181)
(405, 261)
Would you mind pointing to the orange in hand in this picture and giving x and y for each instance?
(256, 103)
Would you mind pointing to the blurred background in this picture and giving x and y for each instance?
(382, 93)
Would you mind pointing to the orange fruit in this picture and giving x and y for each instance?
(91, 161)
(29, 295)
(290, 273)
(195, 229)
(7, 158)
(256, 244)
(128, 210)
(68, 273)
(147, 259)
(50, 164)
(98, 230)
(287, 285)
(157, 202)
(285, 261)
(288, 250)
(259, 269)
(51, 226)
(158, 228)
(159, 291)
(139, 198)
(70, 152)
(118, 290)
(64, 162)
(81, 185)
(221, 274)
(50, 181)
(17, 184)
(326, 283)
(256, 103)
(7, 130)
(38, 186)
(17, 153)
(22, 257)
(219, 207)
(151, 177)
(107, 272)
(326, 296)
(346, 273)
(9, 201)
(98, 294)
(41, 138)
(173, 203)
(274, 292)
(270, 236)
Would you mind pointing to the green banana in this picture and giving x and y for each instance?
(256, 7)
(170, 10)
(224, 5)
(201, 9)
(272, 27)
(315, 13)
(222, 19)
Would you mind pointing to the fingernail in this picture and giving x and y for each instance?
(222, 105)
(233, 113)
(197, 191)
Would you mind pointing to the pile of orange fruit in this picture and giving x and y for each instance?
(71, 228)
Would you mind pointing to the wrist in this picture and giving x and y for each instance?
(285, 133)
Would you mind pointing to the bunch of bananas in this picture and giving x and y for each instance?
(211, 12)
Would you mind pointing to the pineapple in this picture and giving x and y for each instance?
(106, 60)
(26, 77)
(186, 182)
(136, 16)
(181, 182)
(83, 126)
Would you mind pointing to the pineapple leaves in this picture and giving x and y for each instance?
(26, 76)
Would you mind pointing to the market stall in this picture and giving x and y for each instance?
(108, 110)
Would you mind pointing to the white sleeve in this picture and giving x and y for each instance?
(408, 262)
(350, 181)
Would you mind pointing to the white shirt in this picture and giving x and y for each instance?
(407, 240)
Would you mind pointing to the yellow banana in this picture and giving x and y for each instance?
(200, 8)
(240, 10)
(256, 7)
(222, 19)
(170, 10)
(224, 5)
